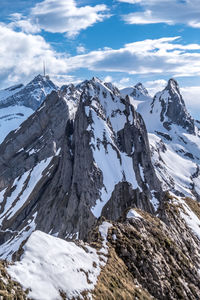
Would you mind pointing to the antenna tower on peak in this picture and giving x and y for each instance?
(44, 68)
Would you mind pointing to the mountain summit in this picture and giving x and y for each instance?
(82, 162)
(31, 95)
(171, 107)
(85, 166)
(18, 102)
(138, 92)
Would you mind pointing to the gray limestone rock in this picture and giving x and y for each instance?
(173, 109)
(51, 174)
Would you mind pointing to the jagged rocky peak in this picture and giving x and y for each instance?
(139, 87)
(169, 104)
(42, 81)
(94, 163)
(173, 86)
(31, 95)
(71, 94)
(120, 148)
(138, 92)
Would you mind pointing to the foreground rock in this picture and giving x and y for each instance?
(140, 256)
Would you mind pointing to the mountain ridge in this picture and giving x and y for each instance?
(116, 170)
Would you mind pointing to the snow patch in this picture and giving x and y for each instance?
(133, 214)
(12, 245)
(23, 187)
(11, 117)
(50, 265)
(103, 229)
(190, 217)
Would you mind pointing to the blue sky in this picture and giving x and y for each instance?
(123, 41)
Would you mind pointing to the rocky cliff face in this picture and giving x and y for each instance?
(73, 170)
(174, 140)
(87, 165)
(172, 108)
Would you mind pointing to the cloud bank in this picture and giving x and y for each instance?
(166, 11)
(64, 16)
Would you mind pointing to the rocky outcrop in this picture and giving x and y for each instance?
(10, 289)
(173, 109)
(159, 257)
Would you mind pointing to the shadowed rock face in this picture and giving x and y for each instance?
(51, 177)
(173, 108)
(84, 156)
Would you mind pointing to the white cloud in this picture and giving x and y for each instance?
(146, 57)
(80, 49)
(23, 23)
(160, 56)
(155, 86)
(125, 80)
(64, 79)
(22, 56)
(120, 84)
(108, 79)
(64, 16)
(191, 95)
(165, 11)
(130, 1)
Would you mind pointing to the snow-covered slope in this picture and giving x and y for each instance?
(174, 140)
(11, 117)
(18, 102)
(138, 95)
(31, 95)
(4, 94)
(51, 267)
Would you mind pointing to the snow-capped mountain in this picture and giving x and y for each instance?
(18, 102)
(31, 95)
(84, 155)
(4, 94)
(174, 140)
(81, 165)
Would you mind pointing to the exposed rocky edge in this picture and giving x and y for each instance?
(172, 108)
(10, 289)
(31, 95)
(138, 92)
(40, 136)
(150, 258)
(175, 152)
(57, 173)
(120, 149)
(138, 257)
